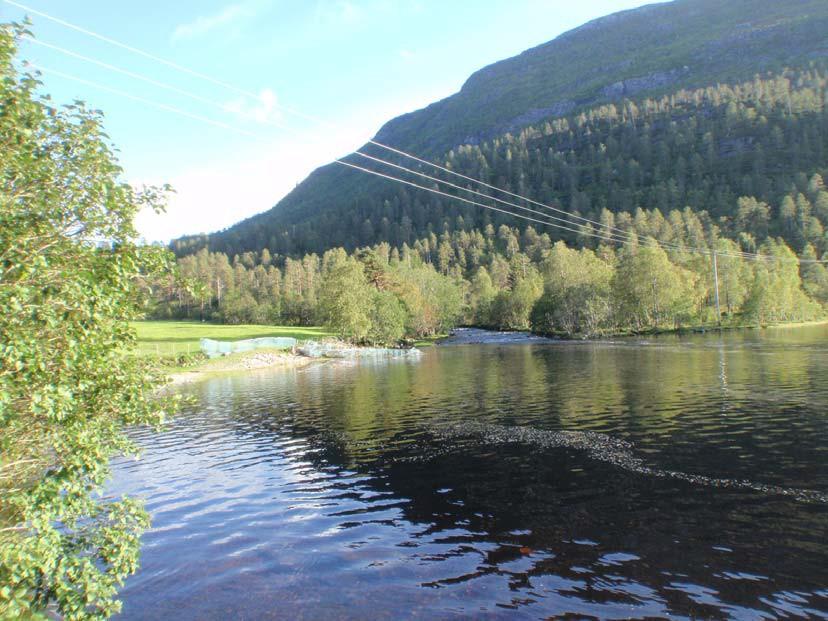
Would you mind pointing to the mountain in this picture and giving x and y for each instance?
(633, 56)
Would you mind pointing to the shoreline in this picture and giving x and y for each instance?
(278, 359)
(628, 334)
(260, 359)
(246, 361)
(684, 330)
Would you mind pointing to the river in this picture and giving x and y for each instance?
(682, 477)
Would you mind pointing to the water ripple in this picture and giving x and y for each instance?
(515, 481)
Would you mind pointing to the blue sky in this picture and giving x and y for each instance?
(353, 63)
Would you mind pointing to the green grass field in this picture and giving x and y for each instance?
(166, 338)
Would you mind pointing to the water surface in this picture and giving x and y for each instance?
(676, 477)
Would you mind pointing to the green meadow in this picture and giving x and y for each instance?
(166, 338)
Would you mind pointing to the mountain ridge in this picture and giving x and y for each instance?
(650, 50)
(632, 75)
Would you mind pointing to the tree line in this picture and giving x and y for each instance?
(509, 278)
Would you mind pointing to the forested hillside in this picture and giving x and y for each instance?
(702, 149)
(659, 107)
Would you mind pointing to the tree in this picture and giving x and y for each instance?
(814, 276)
(481, 296)
(649, 289)
(752, 217)
(70, 281)
(734, 276)
(576, 296)
(511, 309)
(433, 302)
(445, 254)
(240, 307)
(387, 319)
(345, 302)
(776, 292)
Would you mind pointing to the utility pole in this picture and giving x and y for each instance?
(716, 280)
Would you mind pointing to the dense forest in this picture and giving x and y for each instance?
(512, 279)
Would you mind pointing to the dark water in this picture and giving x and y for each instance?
(669, 477)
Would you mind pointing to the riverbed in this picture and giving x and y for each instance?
(672, 476)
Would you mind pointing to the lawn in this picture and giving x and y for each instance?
(181, 337)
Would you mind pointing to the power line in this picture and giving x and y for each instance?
(461, 188)
(130, 74)
(318, 120)
(646, 241)
(143, 100)
(622, 237)
(248, 93)
(612, 237)
(483, 183)
(247, 133)
(600, 225)
(129, 48)
(177, 90)
(466, 200)
(213, 103)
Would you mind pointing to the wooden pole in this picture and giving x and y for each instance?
(716, 280)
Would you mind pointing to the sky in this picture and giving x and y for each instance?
(292, 84)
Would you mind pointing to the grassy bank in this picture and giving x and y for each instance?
(172, 338)
(176, 345)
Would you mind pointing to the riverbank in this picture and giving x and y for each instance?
(185, 369)
(472, 335)
(703, 329)
(695, 329)
(244, 361)
(195, 367)
(175, 345)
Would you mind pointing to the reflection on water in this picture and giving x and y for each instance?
(494, 481)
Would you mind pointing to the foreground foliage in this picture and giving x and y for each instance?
(70, 277)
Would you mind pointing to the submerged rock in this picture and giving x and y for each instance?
(478, 336)
(608, 449)
(314, 349)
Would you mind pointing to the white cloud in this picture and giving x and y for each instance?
(263, 110)
(204, 24)
(407, 55)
